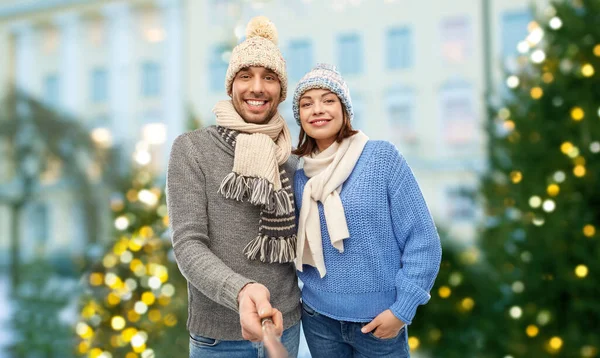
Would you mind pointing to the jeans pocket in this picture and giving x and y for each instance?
(200, 341)
(308, 310)
(400, 333)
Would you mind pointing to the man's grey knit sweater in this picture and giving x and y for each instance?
(209, 236)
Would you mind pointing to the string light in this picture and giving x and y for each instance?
(589, 230)
(566, 147)
(587, 70)
(555, 23)
(518, 287)
(536, 92)
(543, 317)
(538, 56)
(538, 221)
(577, 113)
(413, 343)
(512, 81)
(516, 312)
(444, 292)
(579, 171)
(547, 77)
(555, 343)
(535, 201)
(553, 189)
(516, 176)
(549, 206)
(532, 330)
(117, 323)
(559, 176)
(504, 113)
(581, 271)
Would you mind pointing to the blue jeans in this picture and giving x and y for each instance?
(330, 338)
(204, 347)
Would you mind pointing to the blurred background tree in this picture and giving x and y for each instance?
(42, 144)
(542, 198)
(135, 302)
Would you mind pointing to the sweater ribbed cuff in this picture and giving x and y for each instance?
(230, 290)
(408, 299)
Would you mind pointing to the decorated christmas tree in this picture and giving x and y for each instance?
(450, 324)
(542, 192)
(135, 303)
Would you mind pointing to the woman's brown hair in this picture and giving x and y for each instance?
(307, 145)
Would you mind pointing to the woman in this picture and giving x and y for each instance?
(368, 251)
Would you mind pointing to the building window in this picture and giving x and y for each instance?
(460, 204)
(350, 54)
(459, 124)
(99, 85)
(151, 79)
(39, 215)
(456, 39)
(400, 104)
(400, 48)
(300, 58)
(52, 89)
(218, 68)
(514, 30)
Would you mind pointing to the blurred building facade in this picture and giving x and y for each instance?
(135, 71)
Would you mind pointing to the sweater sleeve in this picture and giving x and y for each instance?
(187, 202)
(417, 237)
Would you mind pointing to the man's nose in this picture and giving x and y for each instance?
(258, 86)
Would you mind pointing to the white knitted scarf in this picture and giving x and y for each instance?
(327, 171)
(258, 176)
(259, 151)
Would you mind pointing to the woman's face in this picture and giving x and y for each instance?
(321, 116)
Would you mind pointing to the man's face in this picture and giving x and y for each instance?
(255, 94)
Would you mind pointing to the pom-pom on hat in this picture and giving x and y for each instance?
(324, 76)
(258, 50)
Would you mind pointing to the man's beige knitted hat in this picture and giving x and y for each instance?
(260, 50)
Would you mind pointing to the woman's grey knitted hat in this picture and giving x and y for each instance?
(324, 76)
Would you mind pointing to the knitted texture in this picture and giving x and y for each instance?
(258, 50)
(276, 240)
(327, 170)
(209, 233)
(259, 151)
(323, 76)
(393, 254)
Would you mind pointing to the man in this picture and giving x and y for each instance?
(231, 206)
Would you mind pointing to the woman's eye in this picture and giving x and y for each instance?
(305, 105)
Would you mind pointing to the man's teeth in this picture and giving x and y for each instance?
(256, 103)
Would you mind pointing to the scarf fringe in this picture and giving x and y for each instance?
(272, 249)
(258, 191)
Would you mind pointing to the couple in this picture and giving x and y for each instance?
(352, 224)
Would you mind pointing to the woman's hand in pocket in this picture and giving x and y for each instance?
(385, 326)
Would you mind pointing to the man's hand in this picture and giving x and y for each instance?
(254, 305)
(386, 325)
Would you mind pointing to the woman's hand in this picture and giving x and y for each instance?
(386, 325)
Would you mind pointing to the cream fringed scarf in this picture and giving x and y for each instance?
(327, 171)
(259, 151)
